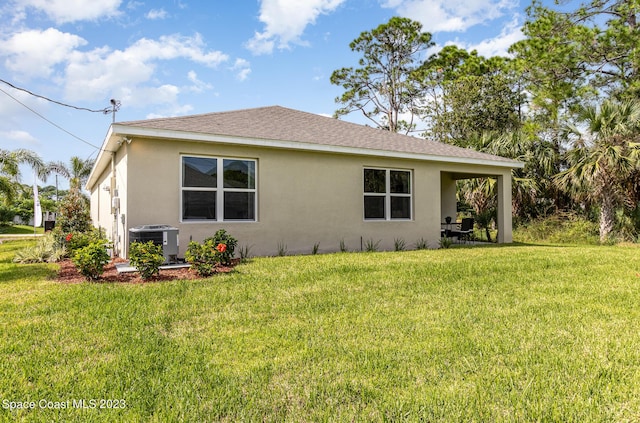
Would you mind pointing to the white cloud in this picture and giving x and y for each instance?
(198, 85)
(64, 11)
(35, 53)
(285, 22)
(243, 69)
(155, 14)
(93, 74)
(499, 46)
(19, 137)
(176, 110)
(451, 15)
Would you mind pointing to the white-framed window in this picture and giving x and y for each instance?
(387, 194)
(217, 189)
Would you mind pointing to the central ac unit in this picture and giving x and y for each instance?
(164, 235)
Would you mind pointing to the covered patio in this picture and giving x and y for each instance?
(453, 227)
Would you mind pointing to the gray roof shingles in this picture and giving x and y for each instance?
(282, 124)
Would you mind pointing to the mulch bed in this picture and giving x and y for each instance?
(69, 274)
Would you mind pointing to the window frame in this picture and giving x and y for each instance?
(219, 190)
(387, 195)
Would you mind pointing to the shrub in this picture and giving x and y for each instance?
(204, 257)
(6, 215)
(561, 228)
(229, 242)
(146, 257)
(45, 250)
(90, 260)
(73, 214)
(72, 241)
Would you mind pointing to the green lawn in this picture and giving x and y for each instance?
(517, 333)
(19, 230)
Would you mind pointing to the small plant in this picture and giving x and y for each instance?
(282, 249)
(45, 250)
(446, 242)
(371, 246)
(399, 244)
(245, 252)
(343, 247)
(221, 237)
(205, 257)
(422, 244)
(90, 260)
(146, 257)
(316, 248)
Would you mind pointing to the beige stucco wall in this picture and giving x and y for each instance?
(102, 193)
(304, 198)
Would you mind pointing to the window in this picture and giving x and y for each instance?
(387, 194)
(218, 189)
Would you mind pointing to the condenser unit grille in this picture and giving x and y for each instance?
(164, 235)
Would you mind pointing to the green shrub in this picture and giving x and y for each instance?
(229, 242)
(46, 250)
(204, 257)
(6, 215)
(73, 214)
(146, 257)
(73, 241)
(90, 260)
(563, 228)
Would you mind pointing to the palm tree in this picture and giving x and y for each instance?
(528, 183)
(10, 162)
(78, 172)
(604, 156)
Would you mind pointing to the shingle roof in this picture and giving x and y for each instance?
(282, 124)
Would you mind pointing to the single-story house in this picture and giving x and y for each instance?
(280, 179)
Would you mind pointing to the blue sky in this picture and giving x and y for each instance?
(172, 58)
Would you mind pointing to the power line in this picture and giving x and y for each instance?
(106, 110)
(49, 121)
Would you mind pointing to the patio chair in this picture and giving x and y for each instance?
(466, 229)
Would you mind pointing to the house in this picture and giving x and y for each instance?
(277, 178)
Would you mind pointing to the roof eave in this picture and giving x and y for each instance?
(126, 130)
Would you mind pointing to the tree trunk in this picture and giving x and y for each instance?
(607, 217)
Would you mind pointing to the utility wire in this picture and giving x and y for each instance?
(52, 123)
(106, 110)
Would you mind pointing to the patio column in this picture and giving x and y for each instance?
(505, 221)
(448, 205)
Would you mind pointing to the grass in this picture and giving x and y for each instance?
(19, 230)
(516, 333)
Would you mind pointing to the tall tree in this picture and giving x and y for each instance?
(551, 61)
(603, 158)
(466, 94)
(10, 162)
(384, 87)
(77, 172)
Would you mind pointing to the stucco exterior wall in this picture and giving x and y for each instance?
(303, 198)
(103, 214)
